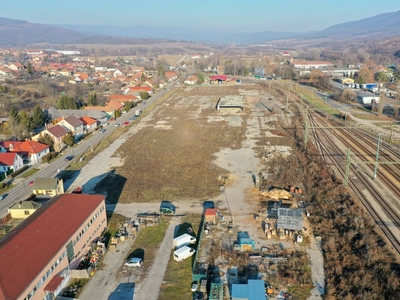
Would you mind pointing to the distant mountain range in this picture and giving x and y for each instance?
(14, 33)
(22, 33)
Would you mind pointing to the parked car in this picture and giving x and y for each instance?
(167, 207)
(126, 123)
(69, 157)
(1, 197)
(31, 182)
(194, 286)
(134, 262)
(132, 118)
(117, 124)
(102, 130)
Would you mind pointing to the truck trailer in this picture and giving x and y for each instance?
(183, 240)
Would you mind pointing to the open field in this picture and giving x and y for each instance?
(181, 140)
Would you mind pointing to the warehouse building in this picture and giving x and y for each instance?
(36, 258)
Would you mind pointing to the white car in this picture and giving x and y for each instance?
(134, 262)
(1, 197)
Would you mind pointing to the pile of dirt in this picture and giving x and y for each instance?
(277, 194)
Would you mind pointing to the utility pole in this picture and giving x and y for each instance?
(377, 156)
(306, 128)
(347, 170)
(287, 99)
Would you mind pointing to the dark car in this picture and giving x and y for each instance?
(69, 157)
(167, 207)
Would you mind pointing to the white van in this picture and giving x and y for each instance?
(183, 240)
(183, 253)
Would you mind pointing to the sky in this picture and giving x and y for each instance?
(232, 15)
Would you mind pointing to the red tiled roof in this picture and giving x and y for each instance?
(88, 120)
(7, 159)
(219, 77)
(57, 131)
(170, 74)
(54, 283)
(122, 98)
(210, 212)
(26, 250)
(114, 104)
(28, 146)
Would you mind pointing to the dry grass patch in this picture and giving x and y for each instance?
(172, 157)
(178, 276)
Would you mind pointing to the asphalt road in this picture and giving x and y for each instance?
(22, 189)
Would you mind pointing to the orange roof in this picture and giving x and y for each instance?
(114, 104)
(122, 98)
(170, 74)
(7, 159)
(28, 146)
(87, 120)
(140, 89)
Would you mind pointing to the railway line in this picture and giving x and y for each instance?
(330, 150)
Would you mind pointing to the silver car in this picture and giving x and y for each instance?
(134, 262)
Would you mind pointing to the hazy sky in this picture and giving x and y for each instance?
(232, 15)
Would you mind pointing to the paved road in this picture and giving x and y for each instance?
(22, 188)
(150, 286)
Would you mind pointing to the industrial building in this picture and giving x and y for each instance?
(37, 257)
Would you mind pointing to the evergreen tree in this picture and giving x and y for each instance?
(66, 102)
(14, 115)
(38, 117)
(92, 99)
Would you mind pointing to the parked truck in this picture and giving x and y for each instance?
(183, 253)
(183, 240)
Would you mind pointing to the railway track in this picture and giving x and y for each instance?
(338, 161)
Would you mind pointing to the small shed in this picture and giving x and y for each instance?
(253, 290)
(245, 241)
(210, 215)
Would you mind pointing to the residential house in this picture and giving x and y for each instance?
(110, 108)
(47, 187)
(10, 162)
(31, 152)
(190, 80)
(138, 89)
(37, 257)
(254, 289)
(74, 125)
(117, 73)
(171, 75)
(137, 69)
(16, 66)
(89, 124)
(23, 209)
(100, 116)
(123, 98)
(56, 133)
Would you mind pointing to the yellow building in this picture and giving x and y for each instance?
(23, 209)
(346, 80)
(47, 187)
